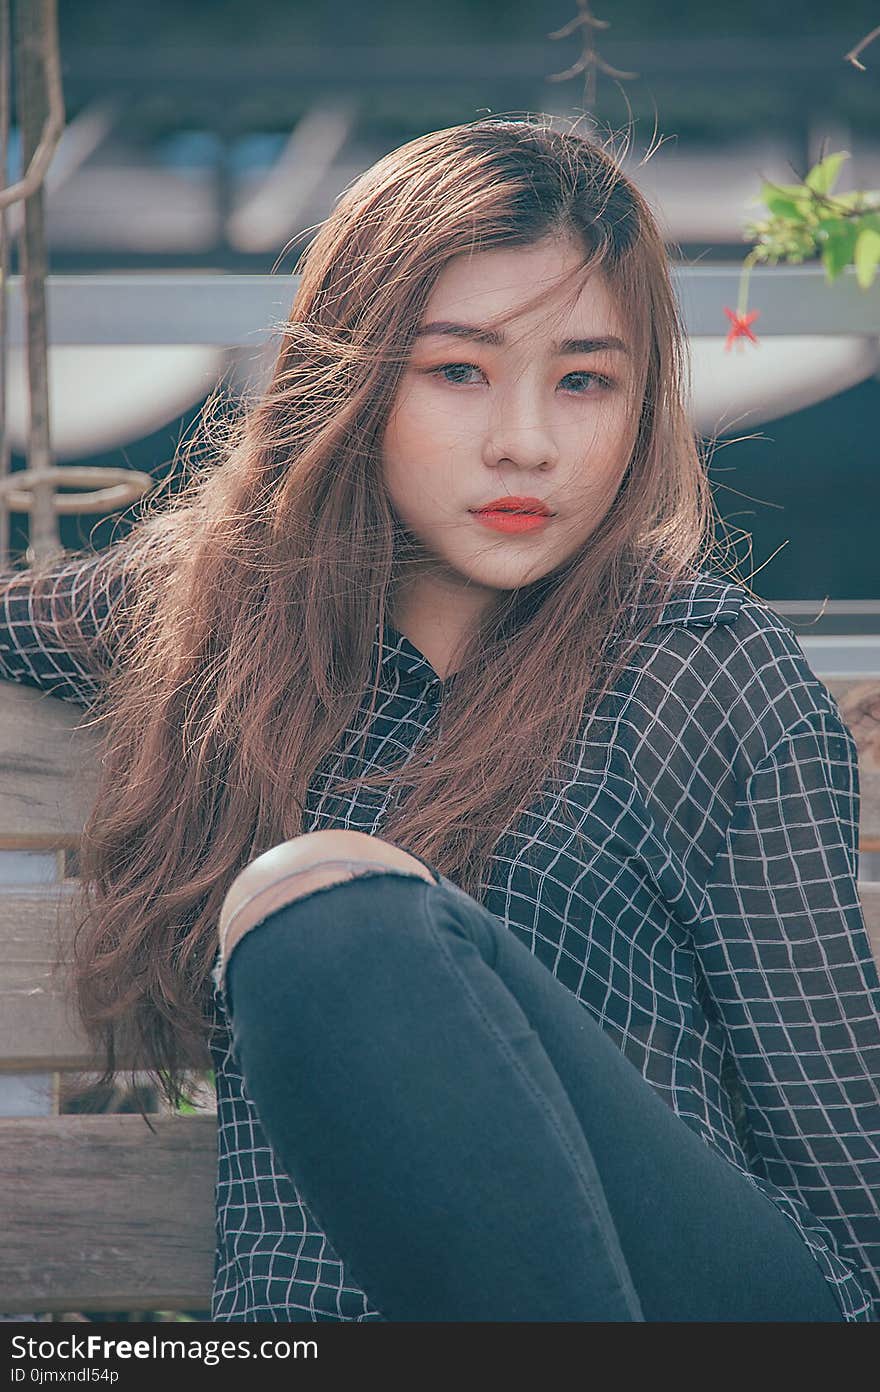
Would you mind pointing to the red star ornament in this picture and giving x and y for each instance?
(740, 326)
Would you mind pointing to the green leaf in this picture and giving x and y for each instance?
(786, 200)
(850, 201)
(794, 190)
(867, 256)
(823, 176)
(838, 245)
(783, 206)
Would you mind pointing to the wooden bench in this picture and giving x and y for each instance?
(97, 1213)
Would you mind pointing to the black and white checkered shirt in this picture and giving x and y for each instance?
(694, 883)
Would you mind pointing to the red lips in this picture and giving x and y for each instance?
(512, 502)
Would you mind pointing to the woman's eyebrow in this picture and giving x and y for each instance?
(496, 340)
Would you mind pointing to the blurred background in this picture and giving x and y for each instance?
(215, 136)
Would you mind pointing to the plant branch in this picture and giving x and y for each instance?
(852, 56)
(589, 61)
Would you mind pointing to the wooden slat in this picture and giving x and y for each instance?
(38, 1029)
(47, 778)
(869, 894)
(859, 702)
(97, 1213)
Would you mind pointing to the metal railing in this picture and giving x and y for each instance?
(231, 310)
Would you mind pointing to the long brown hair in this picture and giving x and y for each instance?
(244, 647)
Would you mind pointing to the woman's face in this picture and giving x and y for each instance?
(537, 410)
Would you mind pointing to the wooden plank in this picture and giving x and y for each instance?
(97, 1213)
(38, 1029)
(859, 702)
(47, 769)
(48, 779)
(869, 894)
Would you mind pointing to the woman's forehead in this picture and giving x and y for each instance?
(539, 287)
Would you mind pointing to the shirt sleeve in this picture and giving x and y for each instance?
(786, 957)
(59, 630)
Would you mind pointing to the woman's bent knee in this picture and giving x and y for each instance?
(298, 867)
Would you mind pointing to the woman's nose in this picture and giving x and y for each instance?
(521, 431)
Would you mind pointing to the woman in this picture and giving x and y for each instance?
(542, 990)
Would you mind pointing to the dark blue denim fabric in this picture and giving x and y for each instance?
(472, 1142)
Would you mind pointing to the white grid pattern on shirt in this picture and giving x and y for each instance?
(692, 879)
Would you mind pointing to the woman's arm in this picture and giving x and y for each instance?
(60, 632)
(785, 954)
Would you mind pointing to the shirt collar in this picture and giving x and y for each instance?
(703, 600)
(697, 603)
(402, 666)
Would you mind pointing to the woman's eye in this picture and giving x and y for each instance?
(584, 382)
(454, 368)
(580, 377)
